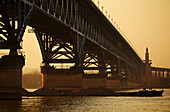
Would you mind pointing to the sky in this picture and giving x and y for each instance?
(146, 23)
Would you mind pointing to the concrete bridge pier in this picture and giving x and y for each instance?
(102, 65)
(163, 74)
(118, 67)
(113, 70)
(127, 70)
(135, 74)
(130, 73)
(11, 77)
(156, 74)
(113, 82)
(159, 74)
(167, 75)
(60, 79)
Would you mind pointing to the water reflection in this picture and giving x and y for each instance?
(10, 106)
(90, 104)
(41, 104)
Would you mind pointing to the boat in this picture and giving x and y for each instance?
(149, 92)
(144, 92)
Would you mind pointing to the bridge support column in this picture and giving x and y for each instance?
(102, 64)
(127, 70)
(118, 67)
(60, 79)
(167, 74)
(156, 74)
(114, 69)
(163, 74)
(130, 73)
(137, 75)
(140, 76)
(11, 77)
(133, 74)
(159, 74)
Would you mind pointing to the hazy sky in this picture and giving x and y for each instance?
(146, 23)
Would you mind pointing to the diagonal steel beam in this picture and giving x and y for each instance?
(5, 19)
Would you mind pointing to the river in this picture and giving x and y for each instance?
(88, 104)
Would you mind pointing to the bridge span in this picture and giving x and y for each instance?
(72, 32)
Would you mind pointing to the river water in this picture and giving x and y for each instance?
(88, 104)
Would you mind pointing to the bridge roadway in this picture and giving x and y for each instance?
(70, 31)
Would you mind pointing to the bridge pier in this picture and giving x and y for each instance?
(61, 79)
(114, 71)
(131, 74)
(118, 67)
(113, 81)
(159, 74)
(102, 64)
(96, 79)
(136, 75)
(167, 74)
(156, 74)
(11, 77)
(127, 70)
(163, 74)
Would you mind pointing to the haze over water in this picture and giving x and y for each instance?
(89, 104)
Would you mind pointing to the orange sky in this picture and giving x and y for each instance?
(146, 23)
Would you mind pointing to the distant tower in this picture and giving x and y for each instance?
(147, 76)
(147, 61)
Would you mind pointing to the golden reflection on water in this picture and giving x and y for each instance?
(88, 104)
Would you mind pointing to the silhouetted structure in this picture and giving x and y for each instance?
(72, 32)
(155, 76)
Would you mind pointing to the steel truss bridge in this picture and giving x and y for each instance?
(70, 31)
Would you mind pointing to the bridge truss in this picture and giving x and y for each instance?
(74, 29)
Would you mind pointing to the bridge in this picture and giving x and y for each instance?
(69, 32)
(160, 76)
